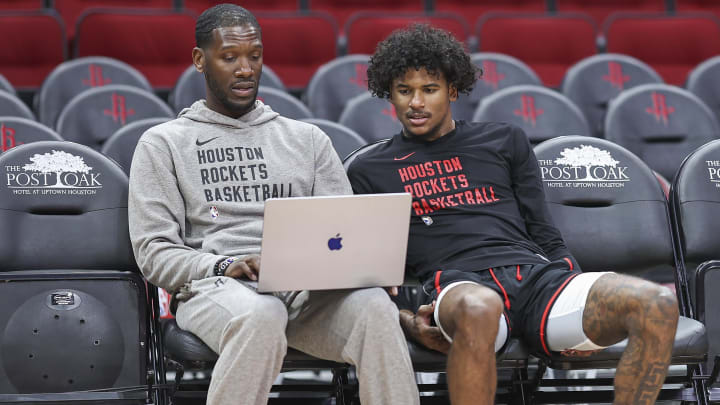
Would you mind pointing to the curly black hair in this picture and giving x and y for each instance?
(415, 47)
(219, 16)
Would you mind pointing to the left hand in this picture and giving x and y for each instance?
(393, 291)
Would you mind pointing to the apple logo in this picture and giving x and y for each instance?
(335, 243)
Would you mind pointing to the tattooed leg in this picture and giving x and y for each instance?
(647, 314)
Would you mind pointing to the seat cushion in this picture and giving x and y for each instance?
(513, 355)
(186, 348)
(691, 345)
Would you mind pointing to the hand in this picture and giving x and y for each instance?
(417, 326)
(248, 266)
(392, 291)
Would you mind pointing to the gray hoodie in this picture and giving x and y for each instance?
(198, 185)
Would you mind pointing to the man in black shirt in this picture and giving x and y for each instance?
(483, 243)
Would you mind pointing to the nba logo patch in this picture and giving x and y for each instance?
(427, 220)
(214, 212)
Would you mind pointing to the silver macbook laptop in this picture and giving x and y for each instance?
(319, 243)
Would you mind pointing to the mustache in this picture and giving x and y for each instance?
(417, 114)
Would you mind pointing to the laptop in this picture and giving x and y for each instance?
(320, 243)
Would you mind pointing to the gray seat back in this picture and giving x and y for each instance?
(92, 116)
(704, 82)
(16, 131)
(336, 82)
(284, 103)
(661, 124)
(371, 117)
(542, 113)
(121, 145)
(343, 139)
(594, 81)
(12, 106)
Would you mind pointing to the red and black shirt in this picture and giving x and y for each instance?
(478, 199)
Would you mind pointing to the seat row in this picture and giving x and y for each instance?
(161, 40)
(71, 10)
(81, 324)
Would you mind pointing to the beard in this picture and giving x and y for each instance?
(222, 95)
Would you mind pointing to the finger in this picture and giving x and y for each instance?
(393, 291)
(254, 262)
(425, 310)
(246, 271)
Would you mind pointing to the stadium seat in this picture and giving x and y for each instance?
(372, 118)
(342, 10)
(473, 10)
(594, 81)
(71, 78)
(613, 215)
(704, 82)
(600, 9)
(76, 319)
(296, 44)
(343, 139)
(672, 44)
(661, 124)
(120, 147)
(12, 106)
(6, 86)
(15, 131)
(92, 116)
(254, 6)
(542, 113)
(695, 203)
(498, 72)
(549, 43)
(42, 32)
(283, 103)
(155, 42)
(364, 29)
(335, 83)
(190, 87)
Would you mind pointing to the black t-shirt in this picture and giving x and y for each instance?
(478, 199)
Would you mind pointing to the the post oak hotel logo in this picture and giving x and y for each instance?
(53, 173)
(583, 167)
(713, 167)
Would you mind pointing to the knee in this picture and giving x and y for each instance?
(657, 303)
(477, 315)
(376, 305)
(268, 316)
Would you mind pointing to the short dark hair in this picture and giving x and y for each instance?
(222, 15)
(415, 47)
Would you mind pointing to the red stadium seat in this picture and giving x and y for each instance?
(296, 44)
(672, 44)
(549, 44)
(600, 9)
(198, 6)
(158, 43)
(33, 44)
(343, 10)
(72, 10)
(472, 10)
(365, 29)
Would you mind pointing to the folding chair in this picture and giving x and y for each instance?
(76, 316)
(613, 215)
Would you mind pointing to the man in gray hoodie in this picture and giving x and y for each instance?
(197, 191)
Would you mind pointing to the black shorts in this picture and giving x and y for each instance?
(528, 293)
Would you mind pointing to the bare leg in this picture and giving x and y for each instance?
(469, 313)
(647, 314)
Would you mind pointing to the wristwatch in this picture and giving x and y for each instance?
(222, 265)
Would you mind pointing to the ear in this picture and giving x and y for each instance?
(198, 56)
(453, 93)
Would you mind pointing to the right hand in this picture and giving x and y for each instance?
(248, 267)
(417, 327)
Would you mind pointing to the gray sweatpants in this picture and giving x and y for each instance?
(251, 332)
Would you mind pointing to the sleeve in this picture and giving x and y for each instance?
(156, 214)
(330, 177)
(358, 178)
(530, 196)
